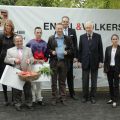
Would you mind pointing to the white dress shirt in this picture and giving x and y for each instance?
(113, 52)
(65, 31)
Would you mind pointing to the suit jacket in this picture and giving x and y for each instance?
(12, 54)
(90, 55)
(108, 59)
(52, 44)
(72, 34)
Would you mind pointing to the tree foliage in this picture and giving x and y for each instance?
(101, 4)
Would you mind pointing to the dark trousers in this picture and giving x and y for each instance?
(17, 95)
(59, 74)
(70, 81)
(2, 67)
(85, 83)
(113, 80)
(28, 93)
(5, 93)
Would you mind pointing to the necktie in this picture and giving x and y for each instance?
(89, 41)
(89, 37)
(65, 32)
(20, 53)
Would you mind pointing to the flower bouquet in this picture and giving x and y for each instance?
(45, 71)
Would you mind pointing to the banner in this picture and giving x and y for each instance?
(106, 22)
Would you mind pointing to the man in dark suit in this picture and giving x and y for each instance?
(60, 48)
(90, 59)
(72, 33)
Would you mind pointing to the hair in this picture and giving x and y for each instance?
(66, 17)
(37, 28)
(17, 35)
(59, 24)
(114, 35)
(8, 21)
(89, 22)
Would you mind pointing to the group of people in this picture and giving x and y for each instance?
(62, 51)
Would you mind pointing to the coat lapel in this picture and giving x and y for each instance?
(69, 32)
(109, 52)
(117, 51)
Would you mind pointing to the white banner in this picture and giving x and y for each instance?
(106, 23)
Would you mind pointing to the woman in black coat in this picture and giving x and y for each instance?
(6, 42)
(112, 68)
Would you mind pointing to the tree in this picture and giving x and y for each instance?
(48, 3)
(7, 2)
(100, 4)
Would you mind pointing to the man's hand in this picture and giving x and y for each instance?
(17, 61)
(53, 52)
(39, 61)
(65, 52)
(28, 61)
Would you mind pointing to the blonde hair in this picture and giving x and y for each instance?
(12, 26)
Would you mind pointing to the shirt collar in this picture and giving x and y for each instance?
(56, 36)
(38, 40)
(19, 48)
(66, 29)
(90, 34)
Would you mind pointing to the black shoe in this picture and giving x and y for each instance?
(84, 100)
(34, 103)
(18, 108)
(93, 101)
(74, 97)
(41, 103)
(110, 102)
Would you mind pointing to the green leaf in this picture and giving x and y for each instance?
(46, 71)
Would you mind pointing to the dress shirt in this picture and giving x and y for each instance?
(113, 52)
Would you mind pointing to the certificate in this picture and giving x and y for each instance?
(11, 79)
